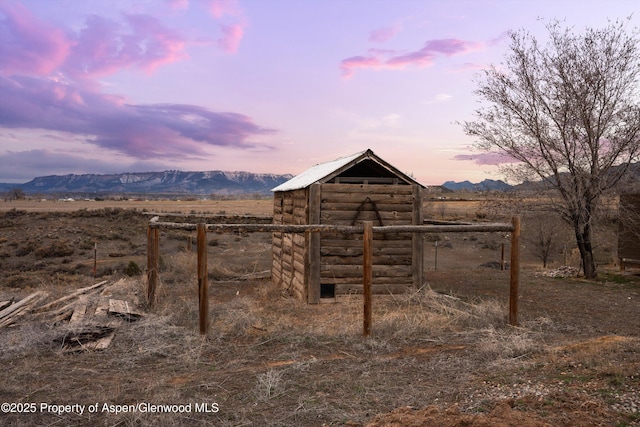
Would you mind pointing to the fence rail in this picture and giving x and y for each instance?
(367, 230)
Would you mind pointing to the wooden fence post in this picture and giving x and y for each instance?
(153, 245)
(367, 275)
(515, 271)
(203, 286)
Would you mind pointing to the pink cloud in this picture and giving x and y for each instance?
(29, 45)
(140, 131)
(349, 65)
(487, 158)
(220, 8)
(232, 25)
(104, 46)
(381, 35)
(178, 4)
(380, 59)
(231, 37)
(48, 81)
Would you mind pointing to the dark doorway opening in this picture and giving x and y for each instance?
(327, 290)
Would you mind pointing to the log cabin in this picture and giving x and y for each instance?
(317, 266)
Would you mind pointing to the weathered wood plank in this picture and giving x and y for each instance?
(365, 188)
(124, 309)
(343, 251)
(70, 296)
(377, 289)
(78, 314)
(359, 198)
(356, 241)
(417, 256)
(388, 218)
(356, 270)
(367, 276)
(377, 260)
(314, 246)
(353, 205)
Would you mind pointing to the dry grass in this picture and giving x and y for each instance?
(271, 360)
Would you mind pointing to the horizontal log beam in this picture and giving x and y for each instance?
(327, 228)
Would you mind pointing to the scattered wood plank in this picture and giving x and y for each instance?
(103, 307)
(71, 295)
(86, 339)
(78, 314)
(124, 309)
(5, 304)
(9, 314)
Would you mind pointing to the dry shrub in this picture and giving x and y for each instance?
(499, 345)
(269, 385)
(58, 248)
(592, 353)
(431, 313)
(234, 318)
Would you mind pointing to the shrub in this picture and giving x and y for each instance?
(58, 248)
(132, 269)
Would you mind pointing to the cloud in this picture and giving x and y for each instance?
(48, 81)
(382, 35)
(231, 37)
(439, 98)
(139, 131)
(24, 165)
(104, 46)
(486, 158)
(387, 59)
(232, 32)
(29, 45)
(178, 4)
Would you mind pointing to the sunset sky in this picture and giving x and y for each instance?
(111, 86)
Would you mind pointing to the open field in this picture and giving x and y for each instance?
(442, 355)
(237, 207)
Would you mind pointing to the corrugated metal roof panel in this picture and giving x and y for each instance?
(316, 173)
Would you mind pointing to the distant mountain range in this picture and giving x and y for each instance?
(486, 185)
(220, 183)
(167, 182)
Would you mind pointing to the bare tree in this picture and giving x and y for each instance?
(544, 238)
(16, 194)
(568, 115)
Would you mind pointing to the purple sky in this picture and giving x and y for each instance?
(110, 86)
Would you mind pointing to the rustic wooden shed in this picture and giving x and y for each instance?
(629, 231)
(346, 191)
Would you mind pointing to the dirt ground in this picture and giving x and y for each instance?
(442, 356)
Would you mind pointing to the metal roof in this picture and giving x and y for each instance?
(324, 171)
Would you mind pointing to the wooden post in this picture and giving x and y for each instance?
(153, 246)
(435, 264)
(367, 275)
(417, 239)
(515, 272)
(312, 246)
(95, 259)
(203, 287)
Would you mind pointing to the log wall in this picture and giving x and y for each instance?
(304, 262)
(288, 262)
(341, 255)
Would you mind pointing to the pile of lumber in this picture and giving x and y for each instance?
(90, 314)
(77, 302)
(11, 311)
